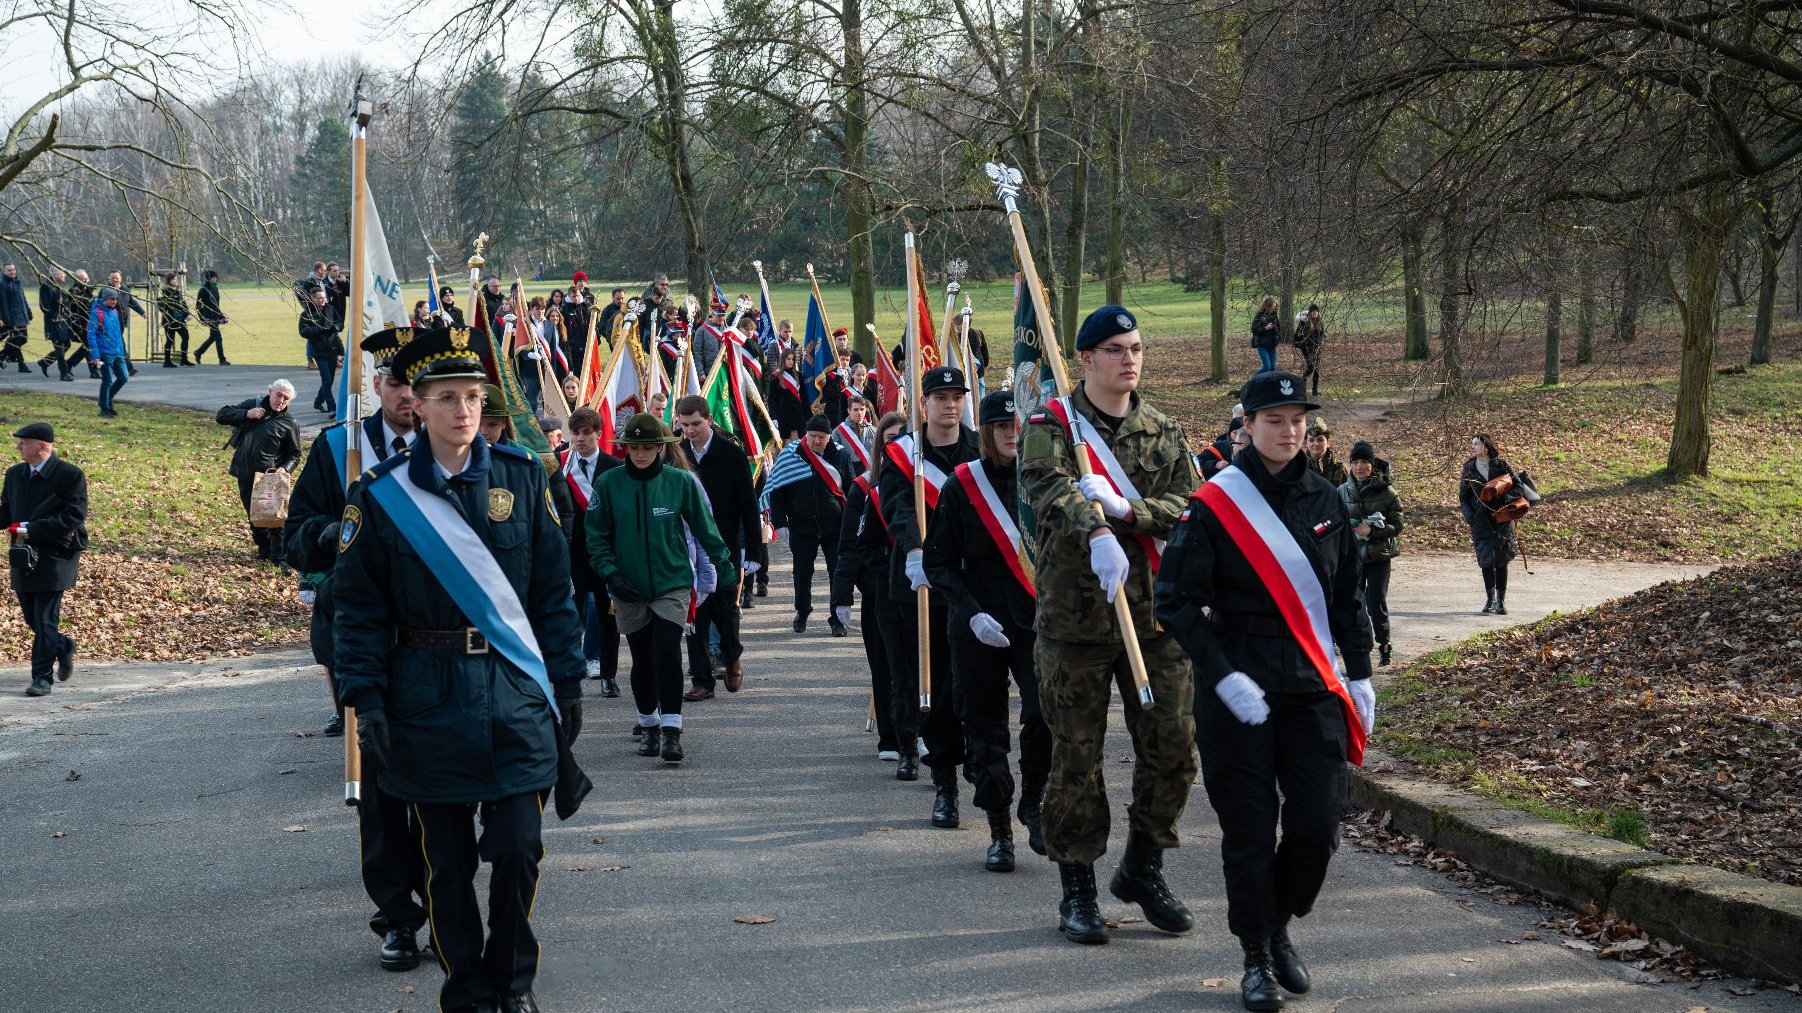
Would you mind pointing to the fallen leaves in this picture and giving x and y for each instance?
(754, 919)
(298, 828)
(600, 840)
(60, 834)
(1212, 982)
(73, 776)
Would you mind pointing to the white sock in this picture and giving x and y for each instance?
(672, 721)
(647, 720)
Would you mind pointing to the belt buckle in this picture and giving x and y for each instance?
(473, 641)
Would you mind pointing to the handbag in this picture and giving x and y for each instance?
(269, 499)
(1496, 494)
(22, 557)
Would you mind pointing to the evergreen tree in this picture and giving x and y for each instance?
(482, 195)
(322, 193)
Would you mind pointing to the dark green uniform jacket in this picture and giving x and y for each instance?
(463, 727)
(635, 529)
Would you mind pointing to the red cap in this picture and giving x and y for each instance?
(580, 276)
(836, 331)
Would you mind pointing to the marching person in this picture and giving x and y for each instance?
(947, 444)
(974, 556)
(457, 643)
(1098, 536)
(448, 308)
(578, 308)
(1493, 540)
(786, 400)
(1376, 517)
(265, 437)
(583, 466)
(863, 551)
(393, 871)
(1267, 549)
(44, 510)
(807, 512)
(172, 311)
(725, 473)
(76, 310)
(53, 301)
(640, 523)
(206, 306)
(15, 317)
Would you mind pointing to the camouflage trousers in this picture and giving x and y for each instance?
(1075, 687)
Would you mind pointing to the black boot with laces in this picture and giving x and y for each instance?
(1079, 916)
(1140, 880)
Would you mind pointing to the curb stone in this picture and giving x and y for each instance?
(1749, 926)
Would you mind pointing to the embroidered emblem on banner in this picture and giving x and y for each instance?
(349, 527)
(500, 504)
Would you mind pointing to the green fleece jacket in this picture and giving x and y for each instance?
(635, 528)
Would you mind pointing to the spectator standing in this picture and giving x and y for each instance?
(172, 308)
(15, 317)
(1310, 335)
(1266, 331)
(1492, 539)
(267, 438)
(106, 345)
(1376, 513)
(320, 324)
(206, 305)
(44, 509)
(1320, 453)
(53, 301)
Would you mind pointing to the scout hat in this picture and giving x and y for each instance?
(442, 353)
(1274, 389)
(494, 405)
(645, 428)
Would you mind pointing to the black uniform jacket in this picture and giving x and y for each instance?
(808, 506)
(574, 514)
(897, 495)
(726, 475)
(964, 563)
(318, 498)
(863, 547)
(463, 727)
(55, 506)
(1203, 569)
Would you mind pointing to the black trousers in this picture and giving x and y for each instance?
(806, 547)
(875, 597)
(59, 347)
(586, 582)
(169, 334)
(1299, 751)
(14, 348)
(980, 673)
(393, 869)
(657, 667)
(43, 612)
(511, 842)
(942, 732)
(214, 340)
(720, 609)
(1376, 596)
(269, 540)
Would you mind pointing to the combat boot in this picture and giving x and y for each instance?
(1489, 606)
(1291, 973)
(944, 803)
(1032, 797)
(1079, 915)
(908, 767)
(1257, 990)
(672, 745)
(1001, 842)
(1140, 880)
(648, 744)
(1501, 607)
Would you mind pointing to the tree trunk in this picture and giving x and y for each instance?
(1074, 231)
(859, 200)
(1115, 269)
(1633, 293)
(1554, 306)
(1451, 302)
(1414, 298)
(673, 126)
(1217, 297)
(1771, 243)
(1704, 230)
(1586, 307)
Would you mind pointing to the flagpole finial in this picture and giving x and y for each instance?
(810, 269)
(1007, 180)
(476, 261)
(757, 265)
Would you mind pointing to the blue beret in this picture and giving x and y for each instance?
(1103, 324)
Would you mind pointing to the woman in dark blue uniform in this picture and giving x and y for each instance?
(1271, 712)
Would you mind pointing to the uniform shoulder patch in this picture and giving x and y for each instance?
(1039, 416)
(349, 526)
(550, 505)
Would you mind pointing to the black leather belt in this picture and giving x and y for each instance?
(467, 640)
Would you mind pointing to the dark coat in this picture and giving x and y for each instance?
(318, 498)
(53, 302)
(260, 445)
(76, 309)
(575, 525)
(807, 506)
(1242, 630)
(1266, 330)
(726, 475)
(863, 547)
(206, 304)
(967, 567)
(55, 505)
(172, 306)
(786, 410)
(897, 495)
(463, 728)
(1376, 495)
(1493, 542)
(15, 311)
(320, 326)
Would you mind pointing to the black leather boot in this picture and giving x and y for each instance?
(648, 744)
(1140, 880)
(1079, 915)
(1501, 607)
(1001, 842)
(400, 950)
(1489, 606)
(1257, 990)
(908, 767)
(944, 803)
(1291, 973)
(672, 745)
(1032, 797)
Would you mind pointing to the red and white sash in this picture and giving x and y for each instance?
(901, 454)
(997, 520)
(827, 474)
(852, 441)
(1280, 564)
(792, 385)
(1103, 462)
(569, 458)
(875, 495)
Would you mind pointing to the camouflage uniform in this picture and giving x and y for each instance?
(1079, 647)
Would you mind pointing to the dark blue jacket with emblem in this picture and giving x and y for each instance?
(463, 727)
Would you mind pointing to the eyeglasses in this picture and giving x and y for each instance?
(449, 402)
(1118, 352)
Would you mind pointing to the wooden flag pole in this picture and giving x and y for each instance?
(1007, 186)
(364, 111)
(922, 596)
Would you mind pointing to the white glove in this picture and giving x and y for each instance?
(842, 613)
(532, 356)
(1243, 697)
(781, 534)
(988, 630)
(1097, 490)
(916, 571)
(751, 566)
(1364, 700)
(1108, 561)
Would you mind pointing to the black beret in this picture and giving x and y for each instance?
(819, 424)
(1274, 389)
(943, 378)
(1103, 324)
(996, 407)
(36, 431)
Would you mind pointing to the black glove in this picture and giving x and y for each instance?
(328, 536)
(572, 717)
(622, 590)
(372, 733)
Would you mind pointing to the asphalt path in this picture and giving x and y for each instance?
(149, 863)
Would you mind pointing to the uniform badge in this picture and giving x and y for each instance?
(550, 505)
(1125, 322)
(1287, 388)
(460, 338)
(350, 526)
(500, 504)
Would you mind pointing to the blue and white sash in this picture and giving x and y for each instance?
(466, 569)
